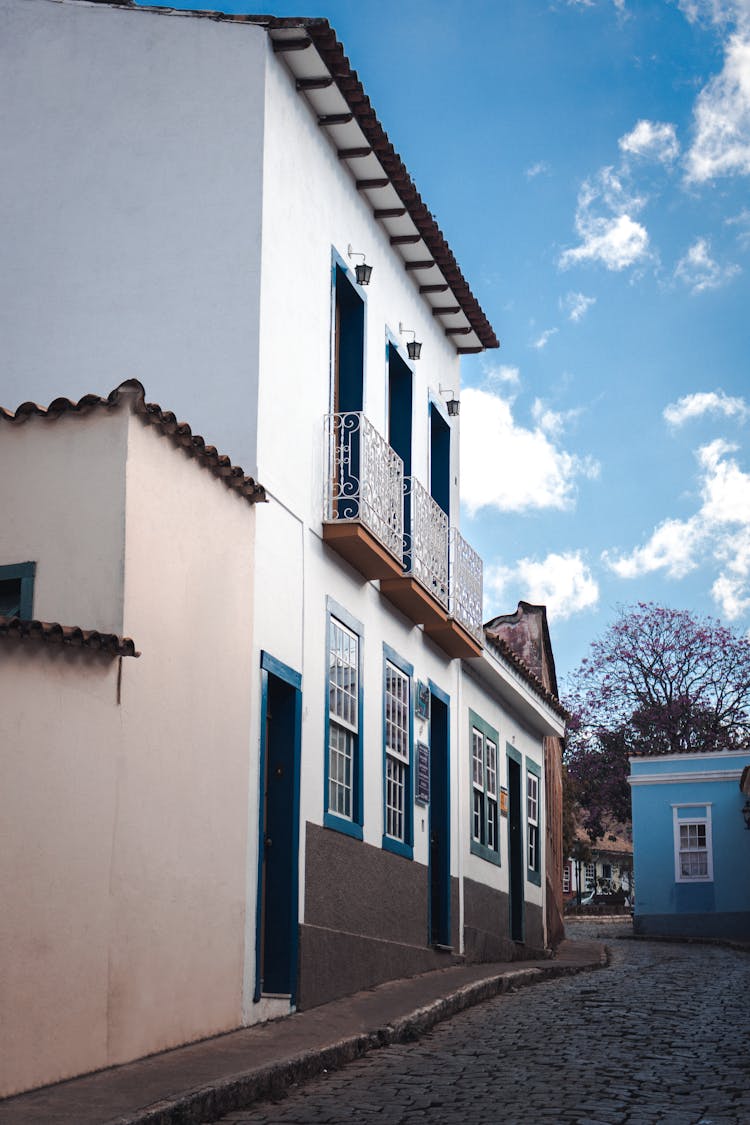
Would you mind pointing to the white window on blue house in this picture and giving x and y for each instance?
(693, 856)
(397, 748)
(344, 722)
(485, 835)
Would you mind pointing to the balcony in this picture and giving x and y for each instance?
(390, 528)
(462, 634)
(422, 591)
(364, 501)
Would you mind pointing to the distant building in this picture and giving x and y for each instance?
(607, 870)
(691, 845)
(526, 635)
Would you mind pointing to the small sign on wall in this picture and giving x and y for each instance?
(422, 700)
(503, 801)
(422, 775)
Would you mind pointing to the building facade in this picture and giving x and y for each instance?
(690, 845)
(373, 802)
(525, 633)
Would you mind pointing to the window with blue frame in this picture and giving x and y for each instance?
(485, 836)
(397, 751)
(17, 590)
(533, 818)
(344, 723)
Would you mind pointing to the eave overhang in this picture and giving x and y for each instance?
(515, 690)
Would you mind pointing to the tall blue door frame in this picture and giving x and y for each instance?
(277, 904)
(439, 869)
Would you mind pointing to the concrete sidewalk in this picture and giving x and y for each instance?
(204, 1080)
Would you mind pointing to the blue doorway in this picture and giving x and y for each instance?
(515, 845)
(278, 837)
(439, 820)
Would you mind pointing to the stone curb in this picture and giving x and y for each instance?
(227, 1095)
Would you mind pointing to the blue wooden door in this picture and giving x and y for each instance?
(278, 871)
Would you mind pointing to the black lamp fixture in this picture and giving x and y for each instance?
(452, 404)
(362, 271)
(413, 346)
(746, 812)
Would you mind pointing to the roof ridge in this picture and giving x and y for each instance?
(131, 392)
(503, 649)
(72, 636)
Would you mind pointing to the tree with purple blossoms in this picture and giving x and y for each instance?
(659, 681)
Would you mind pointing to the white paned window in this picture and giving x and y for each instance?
(485, 823)
(477, 775)
(397, 752)
(566, 879)
(590, 876)
(532, 820)
(692, 843)
(343, 716)
(490, 753)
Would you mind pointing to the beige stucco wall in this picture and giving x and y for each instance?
(124, 847)
(62, 499)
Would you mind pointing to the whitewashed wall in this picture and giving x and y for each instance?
(122, 871)
(130, 210)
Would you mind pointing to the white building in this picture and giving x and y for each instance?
(358, 780)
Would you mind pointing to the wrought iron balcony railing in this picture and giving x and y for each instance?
(365, 480)
(426, 541)
(465, 585)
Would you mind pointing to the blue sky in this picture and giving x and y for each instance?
(589, 163)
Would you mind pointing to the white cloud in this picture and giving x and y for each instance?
(562, 582)
(544, 339)
(576, 305)
(716, 12)
(616, 242)
(604, 222)
(699, 271)
(721, 145)
(507, 466)
(705, 402)
(717, 535)
(726, 489)
(742, 222)
(552, 422)
(541, 168)
(652, 140)
(502, 374)
(672, 548)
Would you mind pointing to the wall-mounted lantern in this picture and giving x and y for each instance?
(362, 271)
(452, 404)
(413, 346)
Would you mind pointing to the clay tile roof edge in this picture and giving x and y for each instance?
(71, 636)
(132, 394)
(501, 649)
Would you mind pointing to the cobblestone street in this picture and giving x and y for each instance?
(662, 1035)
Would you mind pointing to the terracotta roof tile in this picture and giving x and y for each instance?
(131, 392)
(501, 648)
(72, 636)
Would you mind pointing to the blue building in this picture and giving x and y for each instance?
(691, 848)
